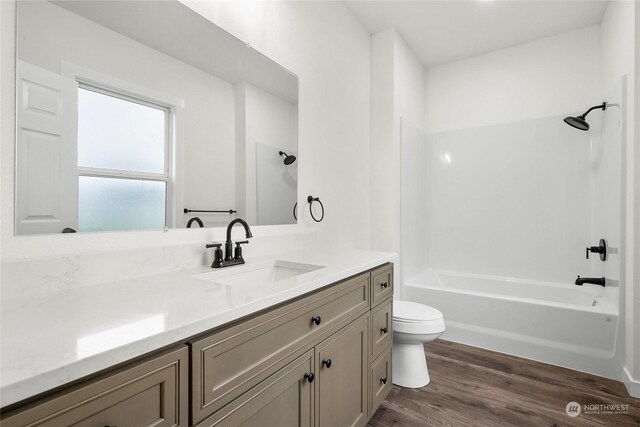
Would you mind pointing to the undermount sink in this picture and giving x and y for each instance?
(258, 274)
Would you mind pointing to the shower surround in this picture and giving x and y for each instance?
(495, 222)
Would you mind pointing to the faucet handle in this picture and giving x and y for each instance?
(217, 254)
(237, 253)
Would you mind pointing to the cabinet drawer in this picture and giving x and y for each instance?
(381, 328)
(285, 399)
(228, 363)
(380, 380)
(381, 284)
(153, 393)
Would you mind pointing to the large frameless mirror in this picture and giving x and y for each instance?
(141, 115)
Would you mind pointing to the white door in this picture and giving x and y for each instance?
(46, 151)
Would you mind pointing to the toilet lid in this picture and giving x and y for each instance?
(407, 311)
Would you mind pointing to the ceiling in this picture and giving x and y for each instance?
(444, 31)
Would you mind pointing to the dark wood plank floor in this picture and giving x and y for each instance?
(476, 387)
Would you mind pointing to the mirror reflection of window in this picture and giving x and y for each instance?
(122, 161)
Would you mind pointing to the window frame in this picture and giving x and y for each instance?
(127, 91)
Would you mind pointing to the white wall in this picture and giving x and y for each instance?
(397, 87)
(635, 341)
(55, 34)
(414, 215)
(554, 75)
(328, 49)
(619, 29)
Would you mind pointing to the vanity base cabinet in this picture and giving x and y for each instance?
(152, 393)
(322, 360)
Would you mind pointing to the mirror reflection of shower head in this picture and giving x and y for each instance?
(287, 158)
(579, 122)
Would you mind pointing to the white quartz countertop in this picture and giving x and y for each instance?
(58, 337)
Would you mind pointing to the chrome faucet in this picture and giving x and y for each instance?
(230, 258)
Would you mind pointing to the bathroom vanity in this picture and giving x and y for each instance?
(321, 358)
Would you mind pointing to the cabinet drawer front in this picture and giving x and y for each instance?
(285, 399)
(381, 284)
(342, 376)
(153, 393)
(381, 328)
(380, 380)
(230, 362)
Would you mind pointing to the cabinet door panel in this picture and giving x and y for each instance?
(381, 381)
(284, 400)
(381, 328)
(153, 393)
(342, 386)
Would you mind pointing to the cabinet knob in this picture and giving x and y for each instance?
(383, 380)
(316, 319)
(383, 330)
(327, 363)
(309, 377)
(384, 285)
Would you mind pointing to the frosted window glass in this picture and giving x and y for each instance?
(109, 204)
(118, 134)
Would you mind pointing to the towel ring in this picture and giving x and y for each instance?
(295, 210)
(312, 199)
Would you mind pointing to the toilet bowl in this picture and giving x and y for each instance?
(413, 325)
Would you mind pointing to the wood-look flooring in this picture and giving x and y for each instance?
(476, 387)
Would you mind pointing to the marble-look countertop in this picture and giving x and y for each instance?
(53, 338)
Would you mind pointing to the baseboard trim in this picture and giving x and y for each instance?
(633, 386)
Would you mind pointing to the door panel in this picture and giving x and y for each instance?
(46, 151)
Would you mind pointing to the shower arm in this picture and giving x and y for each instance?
(602, 106)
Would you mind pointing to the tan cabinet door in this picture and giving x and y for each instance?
(342, 375)
(285, 399)
(152, 393)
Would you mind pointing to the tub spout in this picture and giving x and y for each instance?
(593, 280)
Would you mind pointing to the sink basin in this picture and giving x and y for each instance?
(258, 274)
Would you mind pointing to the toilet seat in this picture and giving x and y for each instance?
(407, 311)
(413, 318)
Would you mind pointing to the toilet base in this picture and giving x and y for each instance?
(409, 365)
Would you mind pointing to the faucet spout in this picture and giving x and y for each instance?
(241, 221)
(600, 281)
(228, 244)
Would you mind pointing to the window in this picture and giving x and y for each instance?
(123, 161)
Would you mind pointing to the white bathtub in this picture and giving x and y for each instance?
(562, 324)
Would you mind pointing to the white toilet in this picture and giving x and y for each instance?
(413, 325)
